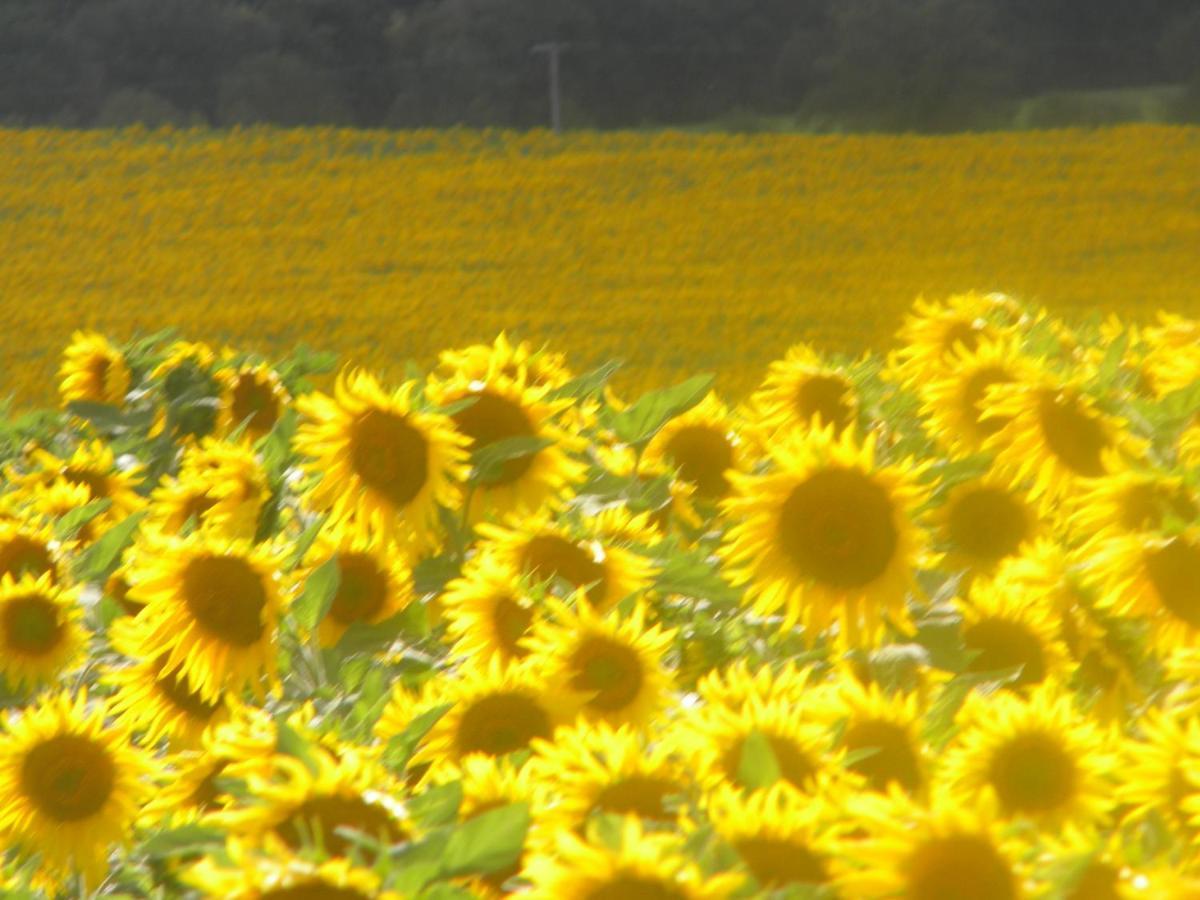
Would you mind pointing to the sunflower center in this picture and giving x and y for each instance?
(253, 400)
(795, 766)
(98, 368)
(501, 723)
(362, 590)
(205, 795)
(825, 396)
(511, 622)
(1000, 644)
(1099, 881)
(1174, 572)
(776, 863)
(22, 555)
(1032, 773)
(493, 418)
(960, 332)
(974, 394)
(550, 556)
(1076, 438)
(959, 867)
(32, 625)
(703, 454)
(389, 456)
(837, 528)
(95, 482)
(987, 523)
(323, 815)
(226, 597)
(895, 760)
(68, 777)
(314, 890)
(609, 671)
(174, 687)
(634, 887)
(643, 796)
(1147, 506)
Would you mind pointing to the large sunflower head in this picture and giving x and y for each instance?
(614, 662)
(803, 390)
(489, 611)
(825, 536)
(700, 446)
(212, 609)
(71, 784)
(1035, 755)
(250, 394)
(983, 521)
(93, 371)
(41, 630)
(382, 462)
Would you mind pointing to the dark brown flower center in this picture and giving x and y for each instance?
(501, 723)
(95, 482)
(549, 556)
(987, 523)
(959, 867)
(511, 622)
(828, 397)
(634, 887)
(314, 890)
(1073, 435)
(702, 454)
(493, 418)
(1148, 505)
(795, 766)
(254, 402)
(362, 589)
(1002, 644)
(607, 670)
(643, 796)
(776, 863)
(32, 625)
(68, 777)
(1099, 881)
(23, 555)
(175, 688)
(324, 815)
(226, 597)
(895, 759)
(974, 394)
(1174, 571)
(389, 456)
(1032, 773)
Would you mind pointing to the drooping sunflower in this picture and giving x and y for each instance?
(220, 488)
(826, 536)
(646, 865)
(785, 840)
(803, 390)
(1129, 502)
(28, 548)
(51, 502)
(496, 408)
(489, 611)
(91, 465)
(253, 394)
(700, 445)
(551, 549)
(93, 371)
(243, 872)
(383, 463)
(1160, 772)
(1036, 755)
(982, 522)
(212, 607)
(71, 784)
(614, 662)
(593, 767)
(944, 850)
(41, 630)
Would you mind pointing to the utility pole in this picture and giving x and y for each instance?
(553, 49)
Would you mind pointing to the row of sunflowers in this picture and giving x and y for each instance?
(656, 248)
(920, 626)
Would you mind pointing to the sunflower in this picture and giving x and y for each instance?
(983, 521)
(645, 475)
(374, 580)
(244, 873)
(253, 394)
(41, 630)
(500, 408)
(1160, 772)
(550, 549)
(783, 839)
(1130, 502)
(520, 362)
(825, 537)
(221, 488)
(1038, 758)
(946, 850)
(700, 445)
(645, 865)
(93, 371)
(1173, 362)
(1005, 625)
(957, 403)
(181, 354)
(382, 462)
(50, 503)
(737, 683)
(802, 390)
(212, 607)
(71, 785)
(92, 465)
(881, 732)
(27, 548)
(614, 661)
(1085, 865)
(489, 612)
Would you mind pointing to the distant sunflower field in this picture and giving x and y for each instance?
(920, 625)
(658, 249)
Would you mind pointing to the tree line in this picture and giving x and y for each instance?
(923, 65)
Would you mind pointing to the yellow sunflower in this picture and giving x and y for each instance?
(489, 612)
(1037, 756)
(93, 466)
(183, 353)
(737, 683)
(1173, 362)
(1086, 865)
(826, 536)
(253, 394)
(212, 608)
(41, 630)
(622, 460)
(93, 371)
(221, 487)
(27, 548)
(50, 503)
(521, 362)
(946, 850)
(501, 408)
(1160, 772)
(244, 873)
(382, 463)
(701, 446)
(614, 662)
(71, 785)
(646, 866)
(1129, 502)
(983, 521)
(802, 390)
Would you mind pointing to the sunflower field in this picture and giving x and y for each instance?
(920, 625)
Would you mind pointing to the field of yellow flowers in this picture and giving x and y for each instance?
(922, 624)
(660, 249)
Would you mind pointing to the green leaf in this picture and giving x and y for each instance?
(691, 575)
(289, 742)
(438, 805)
(187, 840)
(1111, 363)
(319, 590)
(400, 749)
(68, 526)
(640, 422)
(103, 416)
(362, 637)
(586, 384)
(487, 843)
(488, 461)
(758, 767)
(939, 721)
(104, 555)
(304, 543)
(431, 575)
